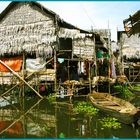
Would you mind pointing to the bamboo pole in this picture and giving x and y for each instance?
(20, 111)
(56, 127)
(89, 71)
(23, 67)
(135, 77)
(20, 82)
(109, 49)
(68, 66)
(15, 85)
(24, 120)
(9, 90)
(20, 78)
(55, 54)
(55, 81)
(11, 103)
(96, 67)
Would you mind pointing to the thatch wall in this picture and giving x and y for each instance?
(46, 75)
(130, 45)
(26, 28)
(84, 48)
(83, 43)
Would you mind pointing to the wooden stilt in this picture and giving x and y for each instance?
(89, 71)
(20, 78)
(55, 49)
(24, 78)
(135, 77)
(96, 67)
(111, 57)
(68, 65)
(9, 90)
(55, 81)
(15, 85)
(23, 67)
(56, 132)
(20, 93)
(23, 120)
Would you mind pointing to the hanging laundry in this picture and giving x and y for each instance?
(60, 60)
(80, 67)
(113, 73)
(14, 63)
(99, 56)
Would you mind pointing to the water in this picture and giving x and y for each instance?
(34, 118)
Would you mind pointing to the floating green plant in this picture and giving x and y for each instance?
(124, 91)
(110, 122)
(61, 135)
(136, 87)
(51, 98)
(73, 119)
(85, 108)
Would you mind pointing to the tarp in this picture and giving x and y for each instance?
(33, 65)
(14, 63)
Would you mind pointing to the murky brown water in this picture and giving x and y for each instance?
(34, 118)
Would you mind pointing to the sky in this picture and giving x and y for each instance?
(93, 14)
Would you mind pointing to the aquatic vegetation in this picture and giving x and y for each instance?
(136, 87)
(51, 98)
(124, 92)
(127, 94)
(74, 119)
(85, 108)
(110, 122)
(61, 135)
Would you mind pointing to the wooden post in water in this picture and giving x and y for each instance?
(55, 54)
(89, 77)
(109, 51)
(68, 66)
(24, 118)
(56, 131)
(21, 81)
(23, 68)
(14, 73)
(96, 67)
(55, 81)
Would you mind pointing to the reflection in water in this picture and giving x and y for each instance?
(16, 128)
(37, 118)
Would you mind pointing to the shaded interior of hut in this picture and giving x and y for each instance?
(75, 71)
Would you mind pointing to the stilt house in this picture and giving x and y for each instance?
(131, 41)
(32, 38)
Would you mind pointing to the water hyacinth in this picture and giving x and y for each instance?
(136, 88)
(51, 98)
(124, 91)
(110, 122)
(85, 108)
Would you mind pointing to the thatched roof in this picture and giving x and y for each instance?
(132, 24)
(61, 22)
(33, 37)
